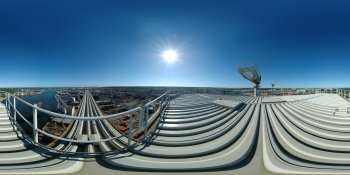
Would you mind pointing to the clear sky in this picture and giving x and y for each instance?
(295, 43)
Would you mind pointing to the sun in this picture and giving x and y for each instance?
(170, 55)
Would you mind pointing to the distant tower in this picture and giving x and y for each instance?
(273, 85)
(251, 74)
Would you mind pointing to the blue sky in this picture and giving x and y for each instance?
(299, 43)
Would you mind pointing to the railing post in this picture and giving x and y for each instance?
(163, 104)
(9, 105)
(145, 122)
(35, 124)
(14, 109)
(130, 129)
(141, 117)
(167, 99)
(6, 102)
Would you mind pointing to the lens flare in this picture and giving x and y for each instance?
(170, 55)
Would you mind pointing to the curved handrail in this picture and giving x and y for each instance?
(78, 117)
(163, 102)
(149, 103)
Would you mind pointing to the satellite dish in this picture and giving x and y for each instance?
(251, 74)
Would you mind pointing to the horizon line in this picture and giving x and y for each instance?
(5, 87)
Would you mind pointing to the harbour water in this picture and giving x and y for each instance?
(46, 100)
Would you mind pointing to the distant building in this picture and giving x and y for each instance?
(301, 91)
(130, 105)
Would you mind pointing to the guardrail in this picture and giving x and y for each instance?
(345, 93)
(143, 123)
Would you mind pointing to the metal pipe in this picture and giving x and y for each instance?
(141, 117)
(35, 124)
(146, 122)
(14, 109)
(24, 119)
(130, 129)
(144, 115)
(78, 117)
(83, 117)
(156, 99)
(6, 103)
(161, 108)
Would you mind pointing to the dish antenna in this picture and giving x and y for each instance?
(251, 74)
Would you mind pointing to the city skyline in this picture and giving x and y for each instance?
(90, 43)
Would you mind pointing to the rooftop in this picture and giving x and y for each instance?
(206, 132)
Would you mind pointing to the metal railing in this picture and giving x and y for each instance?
(144, 120)
(345, 93)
